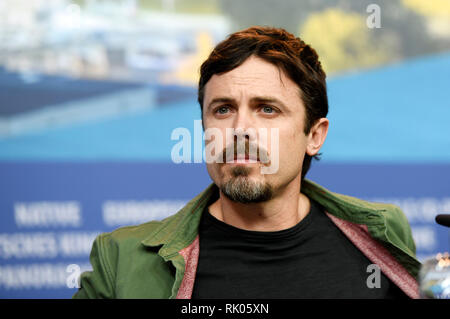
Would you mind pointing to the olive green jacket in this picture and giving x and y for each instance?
(155, 259)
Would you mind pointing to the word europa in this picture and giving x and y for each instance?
(229, 308)
(235, 141)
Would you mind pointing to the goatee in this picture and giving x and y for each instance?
(240, 188)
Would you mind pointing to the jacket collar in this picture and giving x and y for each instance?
(345, 207)
(179, 230)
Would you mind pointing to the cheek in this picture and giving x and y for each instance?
(292, 148)
(214, 172)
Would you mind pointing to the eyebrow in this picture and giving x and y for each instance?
(220, 100)
(257, 99)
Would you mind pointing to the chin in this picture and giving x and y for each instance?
(246, 190)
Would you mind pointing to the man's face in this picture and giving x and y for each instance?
(256, 95)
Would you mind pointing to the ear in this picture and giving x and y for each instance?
(316, 136)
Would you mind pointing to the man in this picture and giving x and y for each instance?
(253, 234)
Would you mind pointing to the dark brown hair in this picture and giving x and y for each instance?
(298, 60)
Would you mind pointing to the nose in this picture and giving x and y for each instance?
(242, 119)
(243, 124)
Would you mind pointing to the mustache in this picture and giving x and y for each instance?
(248, 149)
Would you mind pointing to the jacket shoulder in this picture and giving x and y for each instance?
(133, 233)
(386, 222)
(109, 251)
(397, 227)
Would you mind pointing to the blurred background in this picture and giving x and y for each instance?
(91, 90)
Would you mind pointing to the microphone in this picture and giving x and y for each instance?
(443, 219)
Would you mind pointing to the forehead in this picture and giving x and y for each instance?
(255, 77)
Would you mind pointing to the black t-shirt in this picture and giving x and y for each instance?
(312, 259)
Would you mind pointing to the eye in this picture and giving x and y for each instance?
(267, 109)
(222, 110)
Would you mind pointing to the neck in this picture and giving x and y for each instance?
(286, 209)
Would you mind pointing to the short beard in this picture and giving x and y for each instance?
(241, 189)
